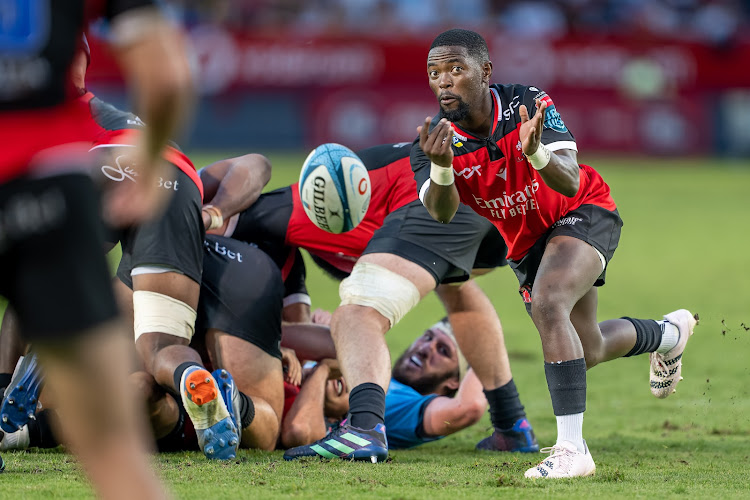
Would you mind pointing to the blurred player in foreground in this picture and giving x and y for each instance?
(48, 201)
(560, 222)
(395, 256)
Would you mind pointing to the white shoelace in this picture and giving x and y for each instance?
(563, 455)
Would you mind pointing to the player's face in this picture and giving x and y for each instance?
(456, 79)
(431, 360)
(336, 403)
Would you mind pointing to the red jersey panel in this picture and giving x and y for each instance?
(494, 178)
(392, 187)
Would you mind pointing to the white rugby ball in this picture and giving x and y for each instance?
(334, 188)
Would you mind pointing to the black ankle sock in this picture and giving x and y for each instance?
(367, 406)
(247, 410)
(648, 336)
(505, 406)
(177, 377)
(567, 386)
(40, 430)
(5, 380)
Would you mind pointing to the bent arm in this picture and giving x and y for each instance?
(441, 201)
(234, 184)
(562, 173)
(305, 421)
(445, 415)
(309, 341)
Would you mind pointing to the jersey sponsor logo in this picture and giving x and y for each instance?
(512, 106)
(510, 205)
(553, 120)
(122, 171)
(456, 141)
(26, 214)
(503, 174)
(214, 246)
(468, 172)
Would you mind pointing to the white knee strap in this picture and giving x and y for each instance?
(156, 312)
(374, 286)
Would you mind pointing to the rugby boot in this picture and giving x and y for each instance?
(22, 394)
(230, 394)
(666, 369)
(346, 442)
(564, 461)
(518, 438)
(217, 433)
(19, 440)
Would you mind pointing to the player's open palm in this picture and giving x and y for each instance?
(530, 132)
(437, 143)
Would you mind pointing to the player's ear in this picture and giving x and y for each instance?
(487, 71)
(450, 386)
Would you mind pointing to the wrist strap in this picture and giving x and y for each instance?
(217, 220)
(442, 176)
(540, 158)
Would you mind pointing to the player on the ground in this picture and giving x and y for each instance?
(562, 227)
(431, 395)
(47, 201)
(395, 256)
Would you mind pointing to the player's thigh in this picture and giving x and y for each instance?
(418, 275)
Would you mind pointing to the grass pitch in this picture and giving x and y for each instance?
(684, 244)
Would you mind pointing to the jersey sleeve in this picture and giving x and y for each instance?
(295, 289)
(555, 134)
(404, 414)
(420, 165)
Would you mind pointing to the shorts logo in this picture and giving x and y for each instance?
(525, 292)
(468, 172)
(567, 221)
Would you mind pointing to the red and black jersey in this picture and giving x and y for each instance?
(38, 40)
(392, 187)
(114, 127)
(494, 178)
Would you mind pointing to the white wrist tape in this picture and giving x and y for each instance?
(217, 220)
(540, 158)
(442, 176)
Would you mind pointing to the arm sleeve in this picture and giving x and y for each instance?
(404, 413)
(555, 134)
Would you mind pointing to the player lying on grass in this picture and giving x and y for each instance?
(560, 222)
(431, 395)
(396, 255)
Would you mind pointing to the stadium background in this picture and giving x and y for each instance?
(658, 96)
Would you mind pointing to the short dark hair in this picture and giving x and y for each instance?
(470, 40)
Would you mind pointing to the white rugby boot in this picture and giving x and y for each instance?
(666, 369)
(564, 461)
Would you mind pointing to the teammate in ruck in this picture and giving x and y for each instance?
(63, 300)
(520, 172)
(395, 256)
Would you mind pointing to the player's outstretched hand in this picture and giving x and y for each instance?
(437, 144)
(530, 132)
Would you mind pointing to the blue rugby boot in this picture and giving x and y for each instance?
(230, 394)
(518, 438)
(346, 442)
(22, 394)
(217, 434)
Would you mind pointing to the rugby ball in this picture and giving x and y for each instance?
(334, 188)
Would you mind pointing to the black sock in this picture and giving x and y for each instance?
(40, 430)
(247, 410)
(566, 381)
(648, 336)
(5, 380)
(367, 405)
(177, 377)
(505, 406)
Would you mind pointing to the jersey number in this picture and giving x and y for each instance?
(24, 26)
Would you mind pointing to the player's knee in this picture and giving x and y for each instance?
(547, 307)
(144, 386)
(381, 289)
(158, 313)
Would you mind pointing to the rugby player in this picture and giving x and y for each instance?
(505, 151)
(63, 299)
(431, 395)
(395, 256)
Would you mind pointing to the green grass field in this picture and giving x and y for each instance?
(685, 243)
